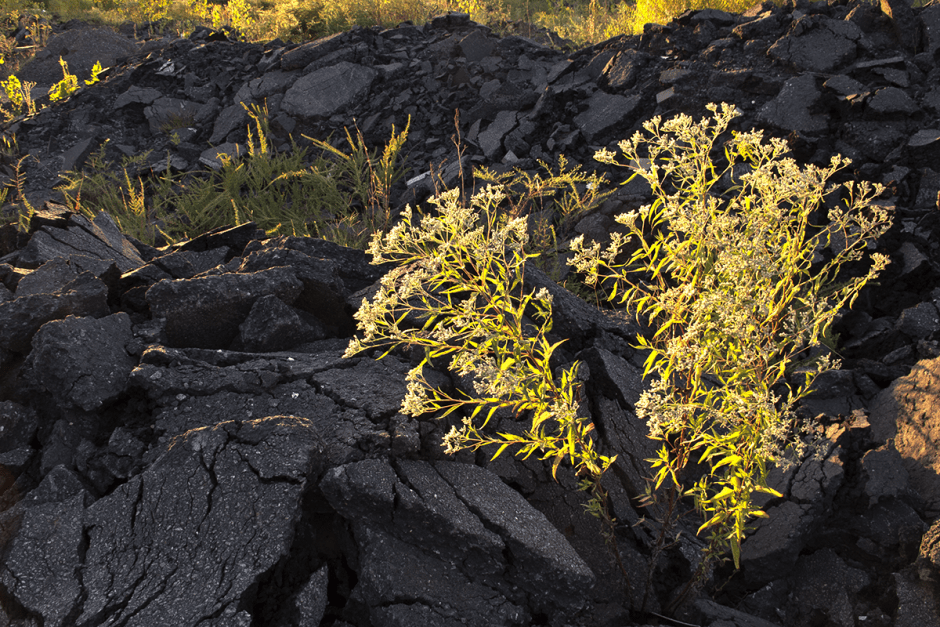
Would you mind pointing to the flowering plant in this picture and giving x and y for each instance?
(458, 292)
(737, 285)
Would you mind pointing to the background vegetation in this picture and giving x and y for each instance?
(582, 21)
(156, 212)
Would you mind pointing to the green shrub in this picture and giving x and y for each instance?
(19, 96)
(458, 292)
(458, 296)
(567, 192)
(69, 83)
(739, 287)
(120, 194)
(366, 178)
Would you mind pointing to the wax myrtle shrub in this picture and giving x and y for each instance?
(739, 272)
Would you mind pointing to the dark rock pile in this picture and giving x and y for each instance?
(182, 443)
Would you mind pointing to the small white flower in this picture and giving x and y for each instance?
(544, 296)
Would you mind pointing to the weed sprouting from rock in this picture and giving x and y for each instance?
(458, 294)
(69, 83)
(737, 285)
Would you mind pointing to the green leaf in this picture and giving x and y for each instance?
(736, 552)
(711, 522)
(731, 459)
(489, 415)
(500, 450)
(556, 463)
(725, 493)
(767, 490)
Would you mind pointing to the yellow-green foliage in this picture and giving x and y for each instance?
(559, 197)
(724, 274)
(64, 88)
(278, 192)
(20, 94)
(369, 175)
(23, 212)
(138, 11)
(464, 281)
(458, 296)
(587, 22)
(662, 11)
(322, 17)
(721, 270)
(14, 91)
(583, 21)
(68, 9)
(570, 193)
(69, 83)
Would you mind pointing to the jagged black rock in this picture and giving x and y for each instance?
(182, 443)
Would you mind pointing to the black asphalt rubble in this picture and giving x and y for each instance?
(183, 443)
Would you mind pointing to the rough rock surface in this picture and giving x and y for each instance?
(82, 361)
(904, 417)
(182, 442)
